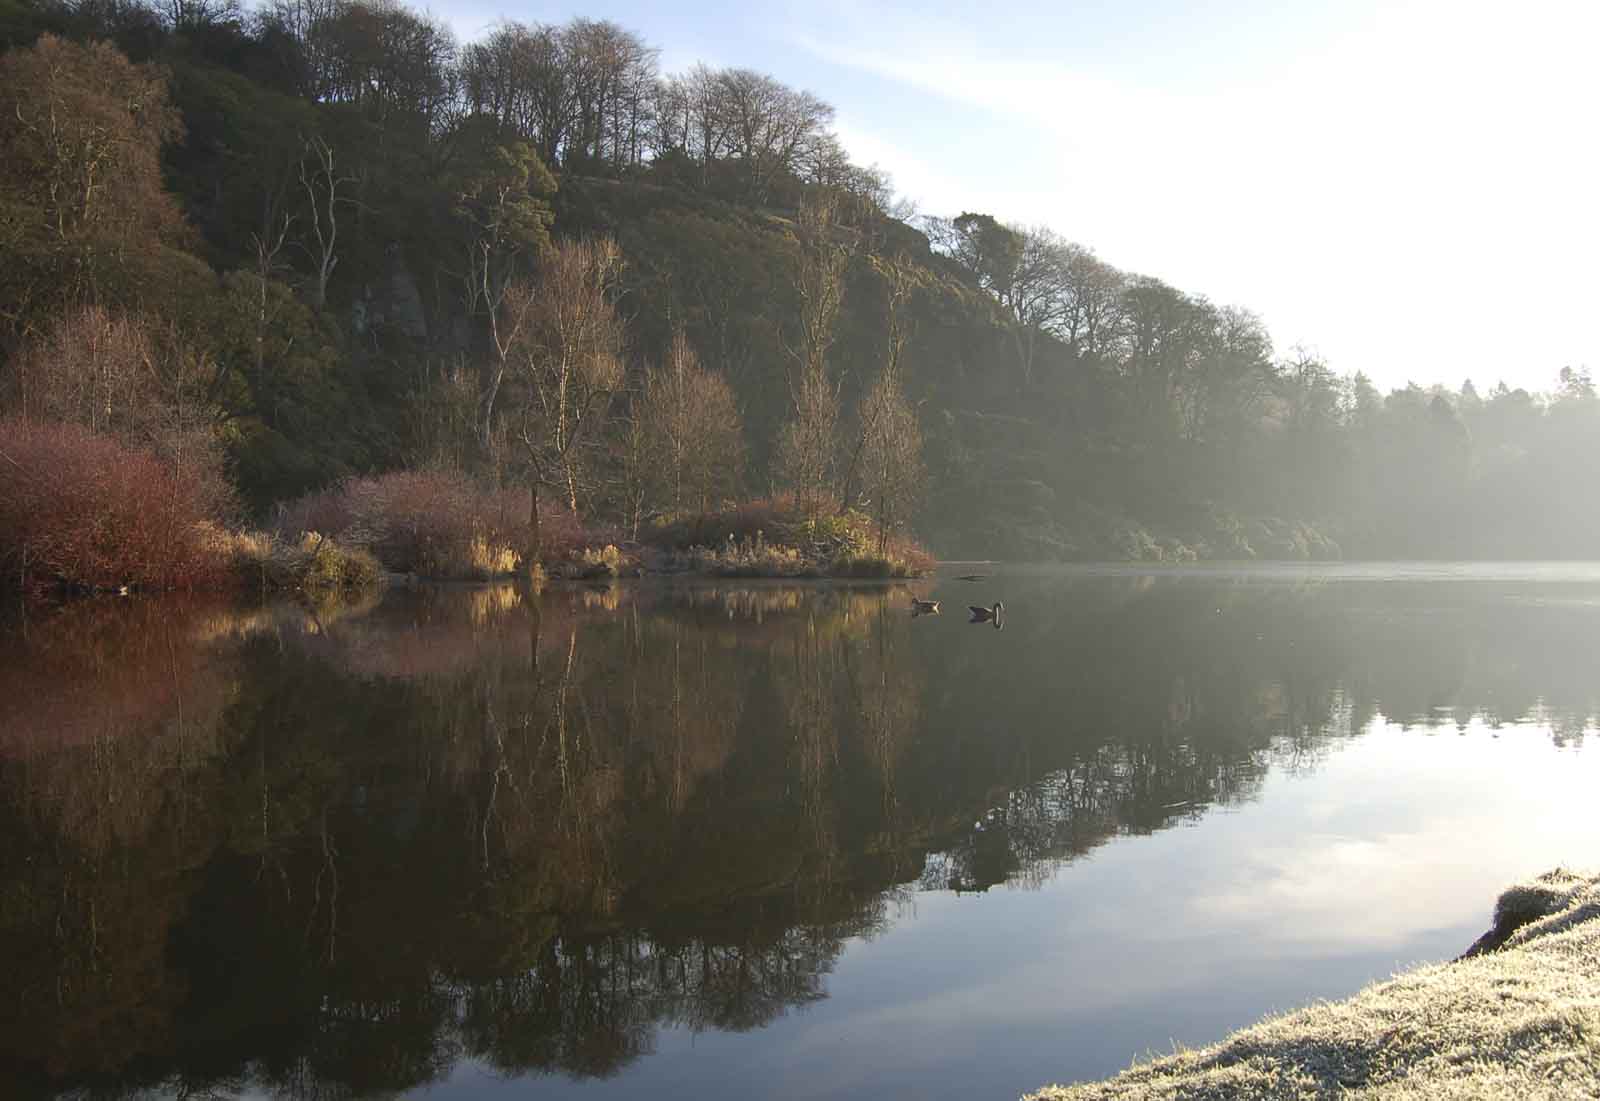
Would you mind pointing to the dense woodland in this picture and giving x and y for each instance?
(311, 240)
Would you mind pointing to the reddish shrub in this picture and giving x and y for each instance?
(83, 510)
(431, 522)
(561, 534)
(440, 523)
(326, 511)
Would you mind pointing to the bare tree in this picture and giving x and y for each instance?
(636, 459)
(771, 126)
(584, 90)
(568, 362)
(1089, 322)
(1036, 295)
(188, 15)
(268, 243)
(691, 115)
(899, 282)
(500, 207)
(893, 472)
(123, 375)
(609, 69)
(375, 54)
(305, 22)
(89, 367)
(321, 183)
(808, 444)
(890, 447)
(694, 432)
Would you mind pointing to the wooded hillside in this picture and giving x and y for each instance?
(333, 240)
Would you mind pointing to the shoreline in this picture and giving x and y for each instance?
(1516, 1015)
(1486, 570)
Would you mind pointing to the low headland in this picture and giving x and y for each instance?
(1516, 1016)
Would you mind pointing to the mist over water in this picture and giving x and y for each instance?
(758, 839)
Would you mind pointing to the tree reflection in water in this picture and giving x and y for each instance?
(334, 851)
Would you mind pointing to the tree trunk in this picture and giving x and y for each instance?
(535, 542)
(486, 399)
(847, 487)
(572, 485)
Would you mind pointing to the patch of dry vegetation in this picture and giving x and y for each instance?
(1519, 1020)
(311, 563)
(438, 524)
(785, 536)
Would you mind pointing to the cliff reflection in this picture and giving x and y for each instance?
(334, 851)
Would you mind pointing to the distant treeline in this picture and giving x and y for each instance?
(322, 238)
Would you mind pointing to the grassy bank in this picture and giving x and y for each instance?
(1518, 1016)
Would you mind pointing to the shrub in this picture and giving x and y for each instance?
(326, 510)
(435, 523)
(563, 537)
(82, 510)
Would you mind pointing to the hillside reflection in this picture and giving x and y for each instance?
(333, 851)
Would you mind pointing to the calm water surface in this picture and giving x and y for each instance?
(755, 840)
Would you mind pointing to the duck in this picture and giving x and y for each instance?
(924, 607)
(995, 614)
(971, 576)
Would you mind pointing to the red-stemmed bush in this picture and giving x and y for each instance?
(430, 522)
(563, 536)
(82, 510)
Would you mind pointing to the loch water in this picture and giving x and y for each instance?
(703, 838)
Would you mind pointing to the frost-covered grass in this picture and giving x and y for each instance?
(1521, 1020)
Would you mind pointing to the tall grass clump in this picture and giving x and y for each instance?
(81, 510)
(312, 563)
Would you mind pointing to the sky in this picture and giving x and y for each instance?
(1404, 187)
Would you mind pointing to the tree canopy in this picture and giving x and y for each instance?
(336, 210)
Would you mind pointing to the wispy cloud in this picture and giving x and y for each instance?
(1358, 194)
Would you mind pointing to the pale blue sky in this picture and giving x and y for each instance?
(1406, 186)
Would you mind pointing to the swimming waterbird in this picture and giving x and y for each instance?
(995, 614)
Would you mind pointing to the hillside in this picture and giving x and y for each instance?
(315, 224)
